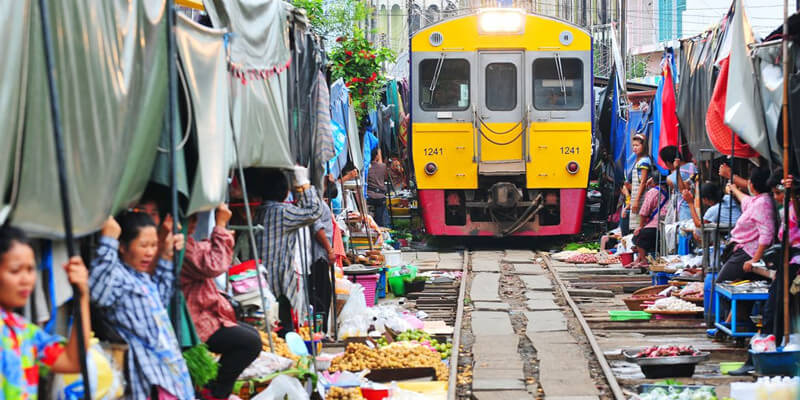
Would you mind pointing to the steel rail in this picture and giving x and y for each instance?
(452, 380)
(601, 358)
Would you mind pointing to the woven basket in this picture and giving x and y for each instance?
(647, 294)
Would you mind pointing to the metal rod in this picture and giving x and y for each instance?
(63, 187)
(172, 104)
(785, 116)
(452, 380)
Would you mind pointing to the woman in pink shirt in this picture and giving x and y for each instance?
(754, 232)
(645, 236)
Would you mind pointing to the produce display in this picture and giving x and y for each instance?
(673, 304)
(679, 393)
(421, 338)
(281, 348)
(578, 246)
(667, 351)
(337, 393)
(694, 289)
(583, 258)
(358, 357)
(305, 333)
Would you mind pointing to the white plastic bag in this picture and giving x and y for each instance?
(283, 387)
(353, 319)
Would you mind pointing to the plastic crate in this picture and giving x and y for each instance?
(370, 284)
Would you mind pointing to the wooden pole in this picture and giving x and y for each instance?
(63, 187)
(785, 116)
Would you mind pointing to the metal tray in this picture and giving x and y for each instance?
(630, 356)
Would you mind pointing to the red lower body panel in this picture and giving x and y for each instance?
(432, 204)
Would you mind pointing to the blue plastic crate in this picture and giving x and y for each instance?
(661, 278)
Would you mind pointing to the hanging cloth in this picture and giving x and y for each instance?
(668, 131)
(324, 143)
(718, 133)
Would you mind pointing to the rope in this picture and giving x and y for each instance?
(190, 115)
(498, 133)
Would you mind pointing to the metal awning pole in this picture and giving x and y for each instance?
(63, 188)
(787, 197)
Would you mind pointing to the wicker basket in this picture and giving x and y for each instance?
(251, 388)
(639, 297)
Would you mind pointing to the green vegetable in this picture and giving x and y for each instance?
(202, 366)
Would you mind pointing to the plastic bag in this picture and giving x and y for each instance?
(355, 317)
(105, 378)
(283, 387)
(761, 343)
(266, 363)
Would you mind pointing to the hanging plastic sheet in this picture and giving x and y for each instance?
(203, 67)
(258, 58)
(743, 113)
(355, 144)
(720, 134)
(695, 88)
(112, 86)
(770, 82)
(668, 121)
(14, 48)
(259, 40)
(655, 133)
(340, 115)
(302, 95)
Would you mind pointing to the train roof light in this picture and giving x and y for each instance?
(501, 21)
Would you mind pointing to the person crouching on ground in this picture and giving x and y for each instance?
(655, 201)
(23, 345)
(132, 289)
(211, 312)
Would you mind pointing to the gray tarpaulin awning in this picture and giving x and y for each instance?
(259, 53)
(743, 112)
(770, 78)
(112, 89)
(14, 48)
(695, 87)
(204, 69)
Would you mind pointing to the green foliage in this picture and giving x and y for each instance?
(333, 18)
(202, 366)
(358, 62)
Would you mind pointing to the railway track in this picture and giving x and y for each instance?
(591, 291)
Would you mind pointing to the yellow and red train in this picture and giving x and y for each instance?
(502, 124)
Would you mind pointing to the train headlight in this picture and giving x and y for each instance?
(501, 21)
(573, 167)
(431, 168)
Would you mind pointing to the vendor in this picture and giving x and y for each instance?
(645, 236)
(132, 281)
(323, 258)
(755, 229)
(23, 345)
(282, 222)
(349, 173)
(376, 188)
(719, 207)
(212, 313)
(636, 178)
(681, 177)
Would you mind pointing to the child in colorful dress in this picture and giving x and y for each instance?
(23, 345)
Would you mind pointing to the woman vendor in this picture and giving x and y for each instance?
(755, 229)
(132, 280)
(637, 176)
(211, 312)
(645, 236)
(23, 345)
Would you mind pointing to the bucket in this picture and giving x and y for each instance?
(625, 258)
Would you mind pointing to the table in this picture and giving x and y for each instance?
(729, 292)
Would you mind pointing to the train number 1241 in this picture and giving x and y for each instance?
(433, 151)
(570, 150)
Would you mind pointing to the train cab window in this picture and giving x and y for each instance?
(444, 84)
(501, 86)
(558, 84)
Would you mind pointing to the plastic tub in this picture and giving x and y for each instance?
(370, 284)
(786, 363)
(375, 394)
(393, 258)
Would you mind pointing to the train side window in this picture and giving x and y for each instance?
(449, 79)
(501, 86)
(558, 84)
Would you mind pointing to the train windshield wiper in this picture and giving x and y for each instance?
(436, 73)
(561, 80)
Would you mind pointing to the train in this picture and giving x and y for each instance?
(501, 124)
